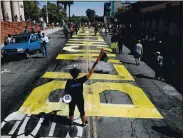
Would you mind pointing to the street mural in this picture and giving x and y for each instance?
(38, 101)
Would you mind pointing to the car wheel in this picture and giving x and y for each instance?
(27, 55)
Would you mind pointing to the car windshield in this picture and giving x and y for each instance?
(19, 39)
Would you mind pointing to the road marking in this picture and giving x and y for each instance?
(38, 102)
(53, 125)
(94, 128)
(71, 44)
(14, 128)
(76, 40)
(5, 70)
(88, 129)
(82, 56)
(141, 108)
(121, 75)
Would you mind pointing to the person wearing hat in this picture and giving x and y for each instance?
(44, 41)
(159, 65)
(138, 52)
(74, 87)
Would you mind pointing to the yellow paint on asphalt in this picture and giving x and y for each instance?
(122, 71)
(81, 56)
(71, 44)
(85, 36)
(141, 108)
(120, 76)
(85, 40)
(86, 58)
(75, 49)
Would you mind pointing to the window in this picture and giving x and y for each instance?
(33, 38)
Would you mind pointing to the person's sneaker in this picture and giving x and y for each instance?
(84, 126)
(86, 123)
(71, 124)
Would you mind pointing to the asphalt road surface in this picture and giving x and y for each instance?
(122, 100)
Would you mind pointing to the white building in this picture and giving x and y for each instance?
(12, 9)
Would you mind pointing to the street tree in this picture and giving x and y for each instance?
(91, 14)
(122, 14)
(55, 13)
(31, 10)
(62, 2)
(84, 19)
(65, 3)
(69, 4)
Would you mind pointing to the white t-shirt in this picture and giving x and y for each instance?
(45, 38)
(138, 49)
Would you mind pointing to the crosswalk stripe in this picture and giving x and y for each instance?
(53, 125)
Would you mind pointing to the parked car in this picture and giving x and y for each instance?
(22, 45)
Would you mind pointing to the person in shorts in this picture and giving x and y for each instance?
(138, 52)
(74, 87)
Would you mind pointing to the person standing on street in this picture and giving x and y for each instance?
(138, 52)
(74, 87)
(96, 29)
(158, 66)
(76, 28)
(113, 43)
(120, 43)
(44, 41)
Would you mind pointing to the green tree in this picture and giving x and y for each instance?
(55, 13)
(91, 14)
(31, 10)
(84, 19)
(122, 14)
(65, 3)
(69, 4)
(62, 2)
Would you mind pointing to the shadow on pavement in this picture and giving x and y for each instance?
(37, 57)
(128, 63)
(11, 59)
(147, 77)
(52, 117)
(142, 76)
(167, 131)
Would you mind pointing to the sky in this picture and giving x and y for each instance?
(79, 8)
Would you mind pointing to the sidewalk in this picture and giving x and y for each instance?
(165, 97)
(50, 31)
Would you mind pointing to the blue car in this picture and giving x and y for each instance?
(22, 45)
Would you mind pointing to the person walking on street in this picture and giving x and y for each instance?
(74, 87)
(114, 43)
(138, 52)
(44, 41)
(71, 31)
(96, 29)
(158, 66)
(120, 43)
(76, 28)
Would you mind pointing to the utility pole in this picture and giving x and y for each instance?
(47, 12)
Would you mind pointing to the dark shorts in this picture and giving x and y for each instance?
(137, 56)
(80, 105)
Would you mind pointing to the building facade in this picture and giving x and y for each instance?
(162, 17)
(12, 11)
